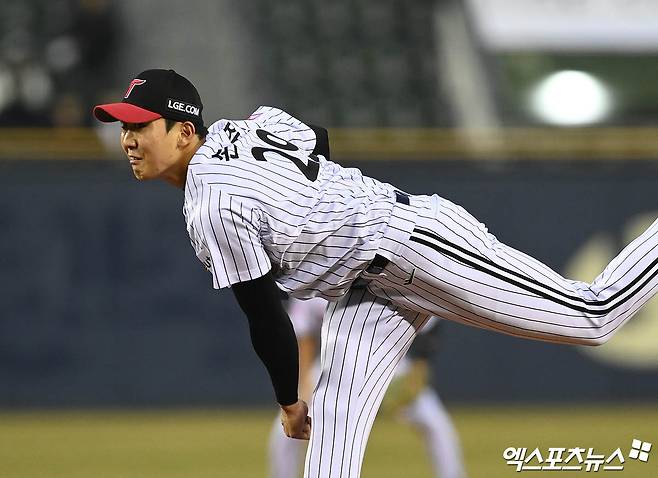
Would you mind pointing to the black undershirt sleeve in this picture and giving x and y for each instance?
(272, 334)
(321, 141)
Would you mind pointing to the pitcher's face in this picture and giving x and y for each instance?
(151, 149)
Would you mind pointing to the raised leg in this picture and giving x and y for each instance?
(453, 268)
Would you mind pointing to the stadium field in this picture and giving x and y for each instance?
(231, 443)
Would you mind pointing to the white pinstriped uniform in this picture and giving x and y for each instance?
(246, 217)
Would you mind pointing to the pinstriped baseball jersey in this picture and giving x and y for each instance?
(257, 199)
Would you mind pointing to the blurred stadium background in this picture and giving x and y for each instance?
(116, 356)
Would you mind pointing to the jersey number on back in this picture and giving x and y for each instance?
(280, 146)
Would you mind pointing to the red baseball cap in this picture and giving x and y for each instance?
(155, 94)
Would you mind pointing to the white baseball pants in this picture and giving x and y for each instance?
(453, 268)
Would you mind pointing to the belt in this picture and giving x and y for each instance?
(377, 265)
(401, 197)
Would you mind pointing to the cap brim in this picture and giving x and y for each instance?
(124, 112)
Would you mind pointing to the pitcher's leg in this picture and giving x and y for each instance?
(364, 337)
(463, 273)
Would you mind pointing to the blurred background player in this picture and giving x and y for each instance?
(410, 396)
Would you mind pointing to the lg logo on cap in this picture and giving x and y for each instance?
(183, 107)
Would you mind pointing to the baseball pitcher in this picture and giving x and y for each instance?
(266, 209)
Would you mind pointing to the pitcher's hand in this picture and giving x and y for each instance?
(295, 420)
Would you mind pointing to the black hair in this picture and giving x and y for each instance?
(200, 130)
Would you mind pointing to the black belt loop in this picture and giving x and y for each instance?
(377, 265)
(401, 197)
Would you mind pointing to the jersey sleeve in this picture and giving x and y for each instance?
(286, 127)
(234, 252)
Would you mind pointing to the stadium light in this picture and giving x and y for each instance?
(571, 98)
